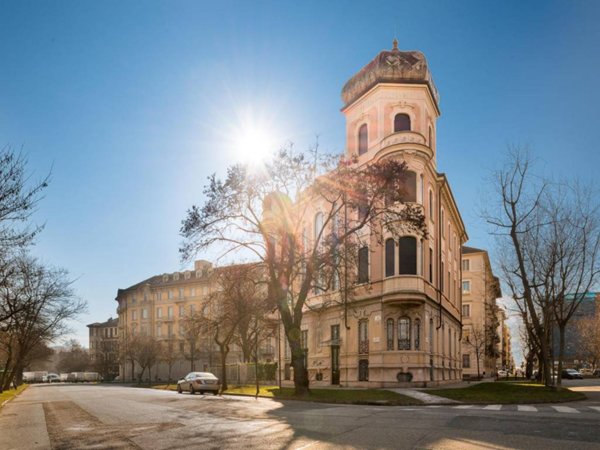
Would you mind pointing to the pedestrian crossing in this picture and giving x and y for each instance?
(525, 408)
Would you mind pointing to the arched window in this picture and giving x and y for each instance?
(363, 264)
(431, 215)
(417, 332)
(390, 334)
(363, 139)
(390, 260)
(409, 187)
(404, 333)
(401, 123)
(408, 255)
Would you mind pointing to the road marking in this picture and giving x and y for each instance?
(463, 406)
(565, 409)
(493, 407)
(434, 406)
(597, 408)
(526, 408)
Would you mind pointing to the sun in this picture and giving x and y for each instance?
(253, 144)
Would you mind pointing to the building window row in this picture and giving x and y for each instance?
(401, 123)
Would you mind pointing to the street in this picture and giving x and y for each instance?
(72, 416)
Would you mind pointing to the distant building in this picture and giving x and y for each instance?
(589, 307)
(481, 335)
(104, 347)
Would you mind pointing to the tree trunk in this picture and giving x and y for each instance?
(300, 371)
(223, 350)
(478, 373)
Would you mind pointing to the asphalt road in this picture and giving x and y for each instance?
(98, 416)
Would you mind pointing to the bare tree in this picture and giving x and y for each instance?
(74, 358)
(268, 214)
(169, 355)
(145, 351)
(550, 241)
(193, 325)
(475, 338)
(50, 304)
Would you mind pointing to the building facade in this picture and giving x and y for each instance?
(159, 307)
(104, 347)
(403, 326)
(481, 338)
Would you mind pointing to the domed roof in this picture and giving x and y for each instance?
(390, 66)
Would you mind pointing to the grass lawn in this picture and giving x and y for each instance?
(506, 393)
(7, 395)
(351, 396)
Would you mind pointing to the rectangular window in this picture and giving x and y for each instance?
(466, 363)
(466, 287)
(363, 336)
(390, 334)
(181, 310)
(134, 315)
(363, 370)
(466, 265)
(144, 313)
(192, 309)
(158, 313)
(158, 330)
(170, 295)
(466, 310)
(192, 292)
(442, 278)
(363, 265)
(430, 265)
(390, 263)
(180, 292)
(181, 347)
(170, 312)
(170, 330)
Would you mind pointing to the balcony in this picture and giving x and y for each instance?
(396, 141)
(405, 289)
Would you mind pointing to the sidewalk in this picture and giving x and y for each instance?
(423, 396)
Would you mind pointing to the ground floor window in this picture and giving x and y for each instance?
(363, 370)
(466, 363)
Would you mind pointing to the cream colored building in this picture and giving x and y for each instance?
(157, 306)
(403, 326)
(104, 347)
(480, 290)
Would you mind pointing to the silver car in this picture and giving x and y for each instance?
(199, 382)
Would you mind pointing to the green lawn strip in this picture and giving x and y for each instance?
(508, 393)
(11, 393)
(347, 396)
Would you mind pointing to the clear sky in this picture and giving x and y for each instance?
(133, 104)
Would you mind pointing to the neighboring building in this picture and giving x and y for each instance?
(158, 306)
(104, 347)
(481, 336)
(404, 323)
(589, 307)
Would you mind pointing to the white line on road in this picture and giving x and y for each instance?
(434, 406)
(597, 408)
(463, 406)
(526, 408)
(493, 407)
(565, 409)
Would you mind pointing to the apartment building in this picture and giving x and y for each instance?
(481, 338)
(403, 327)
(104, 347)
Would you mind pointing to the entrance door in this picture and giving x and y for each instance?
(335, 364)
(363, 370)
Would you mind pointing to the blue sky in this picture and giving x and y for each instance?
(134, 104)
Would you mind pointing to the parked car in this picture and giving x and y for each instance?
(502, 373)
(571, 374)
(199, 382)
(51, 378)
(596, 373)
